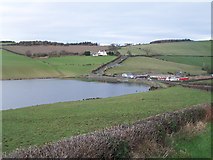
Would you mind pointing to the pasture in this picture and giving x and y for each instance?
(144, 65)
(194, 48)
(16, 66)
(21, 67)
(190, 60)
(51, 122)
(76, 65)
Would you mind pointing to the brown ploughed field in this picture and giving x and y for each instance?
(48, 49)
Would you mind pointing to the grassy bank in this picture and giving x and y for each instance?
(193, 142)
(17, 67)
(196, 48)
(203, 82)
(146, 65)
(45, 123)
(203, 62)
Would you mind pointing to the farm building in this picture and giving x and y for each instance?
(127, 75)
(99, 53)
(142, 76)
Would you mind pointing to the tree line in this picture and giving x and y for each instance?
(7, 42)
(30, 43)
(170, 40)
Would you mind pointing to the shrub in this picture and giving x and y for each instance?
(28, 54)
(110, 53)
(87, 53)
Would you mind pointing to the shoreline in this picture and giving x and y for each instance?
(100, 78)
(13, 79)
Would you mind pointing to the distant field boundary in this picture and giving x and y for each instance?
(119, 141)
(196, 86)
(169, 55)
(13, 52)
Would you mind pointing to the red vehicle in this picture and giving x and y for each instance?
(184, 78)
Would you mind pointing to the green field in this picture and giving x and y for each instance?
(45, 123)
(203, 82)
(15, 66)
(193, 146)
(190, 60)
(76, 65)
(195, 48)
(152, 65)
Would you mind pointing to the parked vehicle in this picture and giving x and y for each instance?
(184, 78)
(172, 79)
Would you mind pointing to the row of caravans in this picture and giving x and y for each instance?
(173, 78)
(157, 77)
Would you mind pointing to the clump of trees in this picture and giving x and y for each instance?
(7, 42)
(207, 68)
(50, 54)
(87, 53)
(170, 41)
(110, 53)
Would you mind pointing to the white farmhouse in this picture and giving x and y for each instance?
(100, 53)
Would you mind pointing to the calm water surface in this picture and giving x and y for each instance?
(22, 93)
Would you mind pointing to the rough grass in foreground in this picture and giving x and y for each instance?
(46, 123)
(192, 141)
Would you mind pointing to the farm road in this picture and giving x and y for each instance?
(100, 70)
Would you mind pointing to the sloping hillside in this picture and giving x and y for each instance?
(194, 48)
(21, 67)
(16, 66)
(151, 65)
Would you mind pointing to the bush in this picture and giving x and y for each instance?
(28, 54)
(87, 53)
(110, 53)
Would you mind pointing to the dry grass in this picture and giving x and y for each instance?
(209, 114)
(190, 129)
(151, 149)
